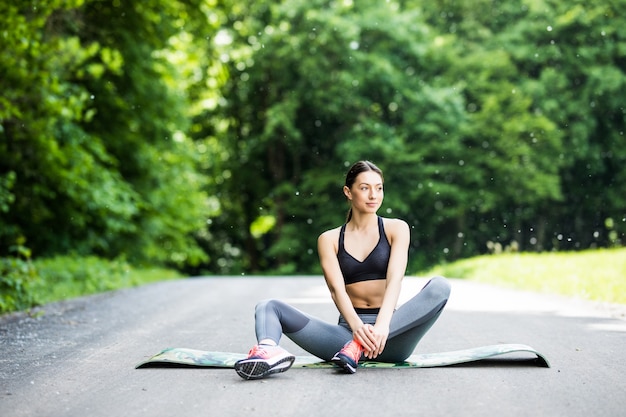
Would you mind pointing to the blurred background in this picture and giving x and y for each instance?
(212, 137)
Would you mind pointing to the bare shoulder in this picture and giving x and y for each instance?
(395, 224)
(396, 228)
(329, 237)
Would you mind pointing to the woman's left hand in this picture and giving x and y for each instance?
(380, 335)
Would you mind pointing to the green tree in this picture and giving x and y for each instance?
(566, 61)
(312, 88)
(574, 56)
(93, 129)
(214, 135)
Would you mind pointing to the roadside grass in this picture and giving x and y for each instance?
(65, 277)
(598, 275)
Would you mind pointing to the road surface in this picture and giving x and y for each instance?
(77, 358)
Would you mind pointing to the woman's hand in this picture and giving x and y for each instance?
(365, 336)
(380, 333)
(372, 338)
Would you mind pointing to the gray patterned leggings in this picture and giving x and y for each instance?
(408, 324)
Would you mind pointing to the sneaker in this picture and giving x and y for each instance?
(348, 357)
(264, 360)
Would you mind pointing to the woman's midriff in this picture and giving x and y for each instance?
(367, 294)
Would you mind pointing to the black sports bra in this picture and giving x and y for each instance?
(372, 267)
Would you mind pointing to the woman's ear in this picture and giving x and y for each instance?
(347, 193)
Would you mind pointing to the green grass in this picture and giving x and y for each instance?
(598, 275)
(67, 277)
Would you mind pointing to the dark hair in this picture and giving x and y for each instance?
(354, 171)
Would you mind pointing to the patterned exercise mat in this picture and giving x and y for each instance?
(212, 359)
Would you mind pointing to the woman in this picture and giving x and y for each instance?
(363, 262)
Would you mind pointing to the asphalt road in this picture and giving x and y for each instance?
(77, 358)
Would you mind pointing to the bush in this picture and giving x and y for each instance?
(18, 276)
(25, 283)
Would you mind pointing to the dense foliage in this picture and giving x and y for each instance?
(93, 153)
(213, 135)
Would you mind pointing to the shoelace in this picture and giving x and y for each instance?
(255, 351)
(258, 351)
(354, 350)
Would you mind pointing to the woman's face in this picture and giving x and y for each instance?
(366, 194)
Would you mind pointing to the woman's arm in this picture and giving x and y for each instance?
(336, 285)
(400, 237)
